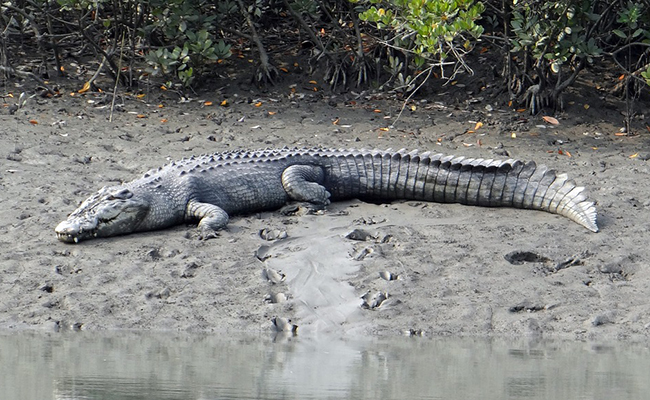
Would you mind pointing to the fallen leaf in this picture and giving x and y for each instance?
(258, 104)
(384, 129)
(468, 144)
(551, 120)
(335, 122)
(295, 64)
(272, 113)
(520, 110)
(85, 88)
(224, 103)
(620, 78)
(648, 127)
(513, 135)
(160, 106)
(510, 103)
(478, 125)
(163, 87)
(163, 120)
(33, 122)
(141, 95)
(313, 82)
(586, 106)
(284, 70)
(594, 148)
(376, 110)
(141, 116)
(207, 103)
(620, 134)
(635, 155)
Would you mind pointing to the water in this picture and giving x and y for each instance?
(121, 366)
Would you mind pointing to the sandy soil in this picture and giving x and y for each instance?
(450, 261)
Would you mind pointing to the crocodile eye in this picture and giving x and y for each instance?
(121, 195)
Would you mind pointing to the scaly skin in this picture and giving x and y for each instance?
(209, 188)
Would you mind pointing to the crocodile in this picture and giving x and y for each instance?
(211, 187)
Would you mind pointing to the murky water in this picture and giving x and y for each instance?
(171, 366)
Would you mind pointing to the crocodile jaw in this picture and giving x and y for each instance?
(109, 212)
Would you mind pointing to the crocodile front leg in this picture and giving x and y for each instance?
(211, 218)
(304, 183)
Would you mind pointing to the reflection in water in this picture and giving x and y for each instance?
(174, 366)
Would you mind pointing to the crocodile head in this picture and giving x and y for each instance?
(109, 212)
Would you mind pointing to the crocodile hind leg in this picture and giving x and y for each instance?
(303, 183)
(211, 218)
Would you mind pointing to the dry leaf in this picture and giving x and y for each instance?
(163, 120)
(551, 120)
(163, 87)
(284, 69)
(520, 110)
(313, 82)
(33, 122)
(478, 125)
(258, 104)
(207, 103)
(384, 129)
(620, 78)
(335, 122)
(141, 116)
(272, 113)
(510, 103)
(586, 106)
(376, 110)
(620, 134)
(160, 106)
(223, 103)
(85, 88)
(635, 155)
(141, 95)
(513, 135)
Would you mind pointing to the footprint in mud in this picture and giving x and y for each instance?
(273, 234)
(373, 300)
(273, 276)
(520, 257)
(284, 325)
(275, 298)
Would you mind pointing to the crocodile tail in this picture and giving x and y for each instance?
(493, 183)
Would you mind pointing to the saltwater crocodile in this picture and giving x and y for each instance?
(209, 188)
